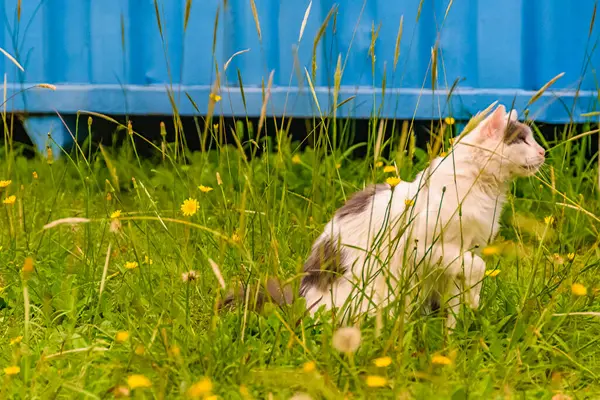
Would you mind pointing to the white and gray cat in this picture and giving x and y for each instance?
(390, 243)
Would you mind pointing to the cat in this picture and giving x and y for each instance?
(422, 238)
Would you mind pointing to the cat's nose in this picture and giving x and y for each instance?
(541, 151)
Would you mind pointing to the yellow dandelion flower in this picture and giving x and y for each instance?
(571, 256)
(175, 351)
(138, 381)
(115, 214)
(205, 189)
(216, 127)
(12, 370)
(296, 159)
(379, 164)
(4, 184)
(121, 336)
(449, 121)
(201, 388)
(490, 250)
(309, 366)
(443, 154)
(393, 181)
(189, 207)
(389, 168)
(549, 220)
(383, 361)
(211, 397)
(441, 360)
(140, 350)
(10, 200)
(376, 381)
(578, 289)
(131, 264)
(492, 273)
(215, 97)
(16, 340)
(27, 265)
(35, 175)
(244, 392)
(409, 202)
(347, 340)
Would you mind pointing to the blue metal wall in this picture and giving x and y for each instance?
(108, 56)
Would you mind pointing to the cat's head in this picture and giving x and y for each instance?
(504, 146)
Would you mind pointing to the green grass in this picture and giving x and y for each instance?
(261, 222)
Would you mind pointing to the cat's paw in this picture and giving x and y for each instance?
(474, 281)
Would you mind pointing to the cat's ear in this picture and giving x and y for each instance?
(494, 125)
(513, 115)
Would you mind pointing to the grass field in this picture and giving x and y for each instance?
(107, 304)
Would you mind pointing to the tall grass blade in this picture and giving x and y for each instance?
(593, 20)
(256, 21)
(540, 92)
(318, 37)
(237, 53)
(304, 20)
(186, 15)
(158, 21)
(12, 59)
(398, 42)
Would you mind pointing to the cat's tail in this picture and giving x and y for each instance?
(273, 290)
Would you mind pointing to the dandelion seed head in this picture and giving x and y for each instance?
(189, 276)
(347, 340)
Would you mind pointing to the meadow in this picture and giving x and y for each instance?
(112, 267)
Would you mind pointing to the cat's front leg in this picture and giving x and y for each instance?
(473, 278)
(464, 272)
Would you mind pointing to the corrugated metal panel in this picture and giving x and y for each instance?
(108, 56)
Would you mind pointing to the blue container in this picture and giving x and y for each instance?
(109, 57)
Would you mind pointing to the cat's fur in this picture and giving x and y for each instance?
(422, 236)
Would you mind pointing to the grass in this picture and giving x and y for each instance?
(107, 289)
(70, 292)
